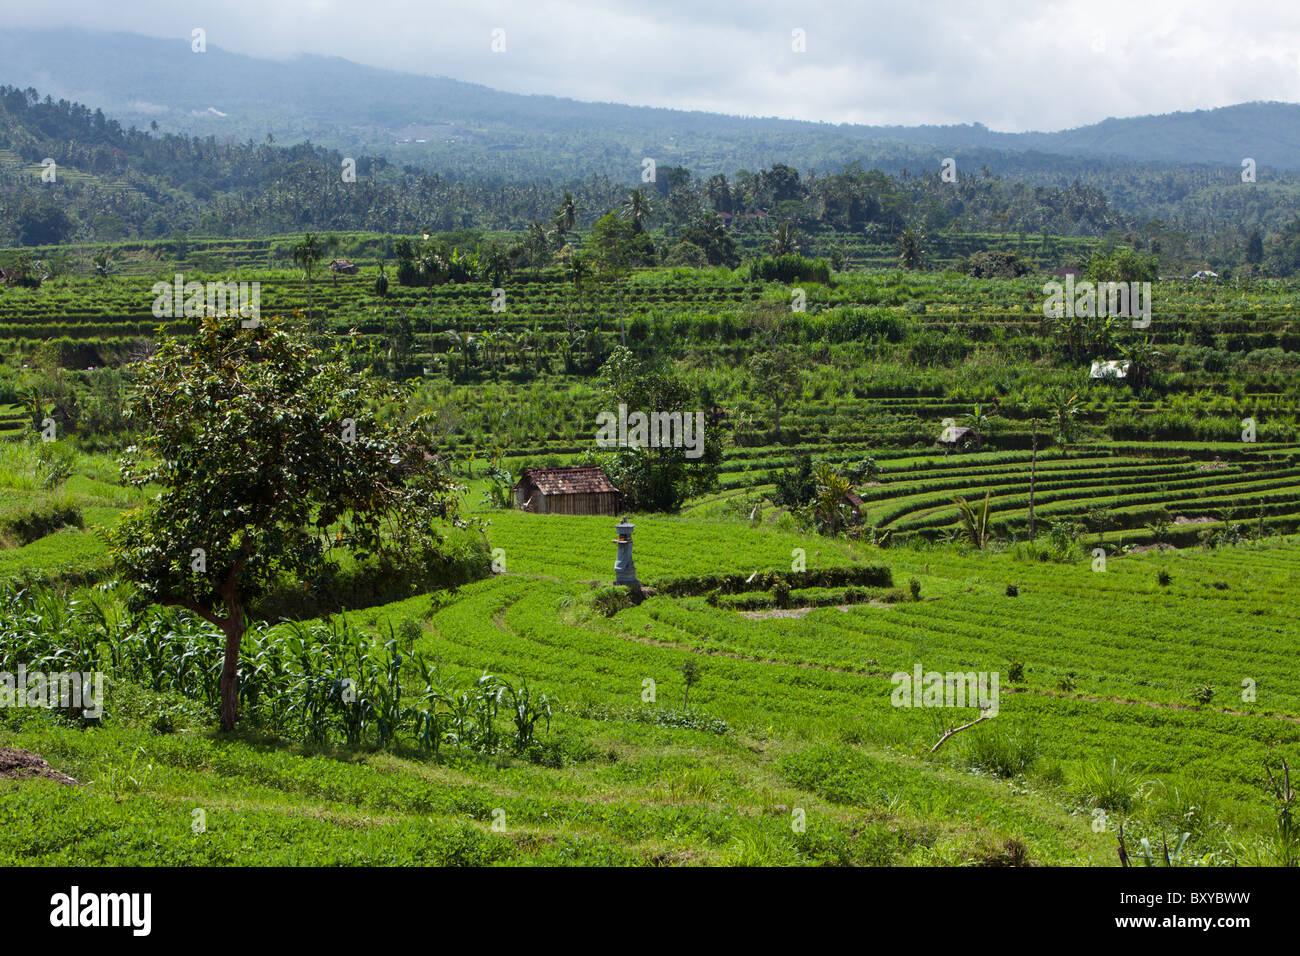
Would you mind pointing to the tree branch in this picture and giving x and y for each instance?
(956, 730)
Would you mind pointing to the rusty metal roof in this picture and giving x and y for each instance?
(568, 481)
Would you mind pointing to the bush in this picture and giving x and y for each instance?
(1109, 786)
(790, 268)
(914, 588)
(610, 600)
(999, 751)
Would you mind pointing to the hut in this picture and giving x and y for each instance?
(956, 436)
(344, 267)
(1112, 368)
(855, 505)
(566, 491)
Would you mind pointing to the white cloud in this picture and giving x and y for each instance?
(1010, 65)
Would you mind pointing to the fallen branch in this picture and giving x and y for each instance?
(956, 730)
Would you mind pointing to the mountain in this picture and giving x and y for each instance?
(464, 128)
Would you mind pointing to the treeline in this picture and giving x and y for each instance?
(116, 183)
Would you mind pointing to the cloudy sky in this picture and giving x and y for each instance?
(1040, 64)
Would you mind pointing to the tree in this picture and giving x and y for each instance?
(495, 264)
(656, 478)
(974, 524)
(307, 254)
(777, 376)
(978, 422)
(785, 240)
(1255, 248)
(566, 216)
(271, 459)
(103, 264)
(1123, 265)
(690, 677)
(911, 248)
(1065, 407)
(1142, 359)
(830, 512)
(43, 222)
(637, 210)
(537, 246)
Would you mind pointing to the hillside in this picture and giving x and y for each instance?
(359, 109)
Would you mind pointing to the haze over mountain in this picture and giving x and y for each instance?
(459, 127)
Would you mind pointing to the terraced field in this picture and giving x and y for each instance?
(1153, 691)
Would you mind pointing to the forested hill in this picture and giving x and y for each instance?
(457, 127)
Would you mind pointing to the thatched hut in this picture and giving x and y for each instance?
(566, 491)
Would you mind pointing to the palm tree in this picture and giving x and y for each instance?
(974, 524)
(637, 209)
(978, 423)
(538, 246)
(566, 216)
(785, 240)
(103, 263)
(1142, 358)
(1065, 406)
(433, 267)
(307, 254)
(911, 248)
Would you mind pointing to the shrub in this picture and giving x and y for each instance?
(781, 593)
(610, 600)
(1016, 672)
(914, 588)
(999, 751)
(1109, 786)
(1162, 576)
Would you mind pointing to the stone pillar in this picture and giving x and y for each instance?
(624, 569)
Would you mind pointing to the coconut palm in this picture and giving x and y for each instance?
(307, 254)
(637, 209)
(785, 240)
(911, 248)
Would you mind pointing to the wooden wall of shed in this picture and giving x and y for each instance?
(590, 503)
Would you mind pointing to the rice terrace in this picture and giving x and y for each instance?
(711, 512)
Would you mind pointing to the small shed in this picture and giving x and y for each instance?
(956, 436)
(344, 267)
(1109, 368)
(566, 491)
(855, 505)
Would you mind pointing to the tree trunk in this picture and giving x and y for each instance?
(1033, 468)
(234, 631)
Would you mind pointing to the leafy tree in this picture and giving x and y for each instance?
(271, 459)
(1255, 247)
(1142, 360)
(656, 479)
(1123, 265)
(690, 677)
(776, 375)
(796, 488)
(43, 222)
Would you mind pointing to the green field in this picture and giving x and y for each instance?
(1153, 692)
